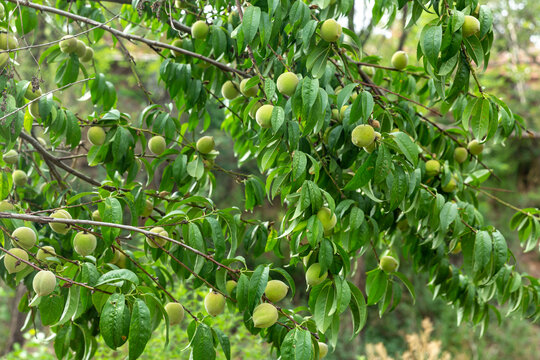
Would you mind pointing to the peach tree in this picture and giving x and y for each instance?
(370, 158)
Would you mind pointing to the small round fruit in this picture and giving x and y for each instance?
(84, 243)
(44, 283)
(68, 44)
(33, 109)
(30, 94)
(88, 54)
(276, 290)
(96, 135)
(12, 263)
(363, 135)
(80, 50)
(323, 350)
(148, 208)
(119, 259)
(19, 177)
(471, 26)
(8, 41)
(475, 147)
(457, 248)
(59, 227)
(331, 30)
(205, 144)
(251, 92)
(371, 147)
(157, 240)
(342, 112)
(230, 286)
(233, 18)
(400, 60)
(287, 83)
(460, 154)
(327, 218)
(4, 58)
(314, 276)
(24, 237)
(175, 311)
(254, 108)
(389, 264)
(214, 303)
(199, 30)
(6, 206)
(433, 168)
(45, 252)
(265, 315)
(229, 90)
(264, 116)
(96, 216)
(157, 145)
(11, 157)
(335, 114)
(177, 43)
(450, 186)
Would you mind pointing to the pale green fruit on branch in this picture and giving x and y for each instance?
(59, 227)
(177, 43)
(68, 44)
(230, 286)
(371, 147)
(230, 90)
(233, 18)
(400, 60)
(119, 259)
(331, 30)
(205, 144)
(80, 50)
(388, 264)
(450, 186)
(11, 157)
(157, 145)
(4, 58)
(96, 135)
(335, 114)
(475, 147)
(45, 252)
(254, 108)
(363, 135)
(157, 240)
(265, 315)
(148, 208)
(323, 350)
(33, 109)
(175, 311)
(314, 276)
(8, 41)
(214, 303)
(199, 30)
(19, 177)
(44, 283)
(24, 237)
(460, 154)
(264, 116)
(96, 216)
(13, 264)
(342, 112)
(433, 168)
(251, 92)
(30, 94)
(88, 54)
(327, 218)
(471, 26)
(84, 243)
(276, 290)
(6, 206)
(287, 83)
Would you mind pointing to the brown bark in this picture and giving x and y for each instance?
(17, 322)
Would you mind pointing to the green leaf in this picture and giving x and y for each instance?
(480, 119)
(376, 284)
(114, 321)
(500, 251)
(224, 342)
(358, 308)
(51, 308)
(203, 343)
(407, 146)
(482, 252)
(431, 39)
(299, 163)
(448, 215)
(257, 285)
(364, 174)
(111, 211)
(407, 284)
(324, 303)
(70, 308)
(119, 275)
(250, 23)
(343, 294)
(140, 329)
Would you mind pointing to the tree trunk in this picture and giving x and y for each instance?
(17, 322)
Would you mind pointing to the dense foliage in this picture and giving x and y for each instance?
(368, 157)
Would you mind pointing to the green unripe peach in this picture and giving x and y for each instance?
(59, 227)
(80, 49)
(6, 206)
(11, 157)
(30, 94)
(68, 44)
(254, 108)
(180, 4)
(233, 18)
(371, 147)
(471, 26)
(44, 283)
(157, 240)
(199, 30)
(287, 83)
(335, 115)
(205, 144)
(148, 208)
(119, 259)
(388, 264)
(96, 216)
(323, 350)
(342, 112)
(33, 109)
(175, 311)
(433, 168)
(177, 43)
(475, 147)
(450, 186)
(157, 145)
(327, 218)
(229, 90)
(19, 177)
(314, 276)
(265, 315)
(457, 248)
(84, 243)
(400, 60)
(264, 116)
(276, 290)
(24, 237)
(12, 263)
(4, 58)
(8, 41)
(88, 54)
(45, 252)
(214, 303)
(363, 135)
(331, 30)
(230, 286)
(251, 92)
(460, 154)
(96, 135)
